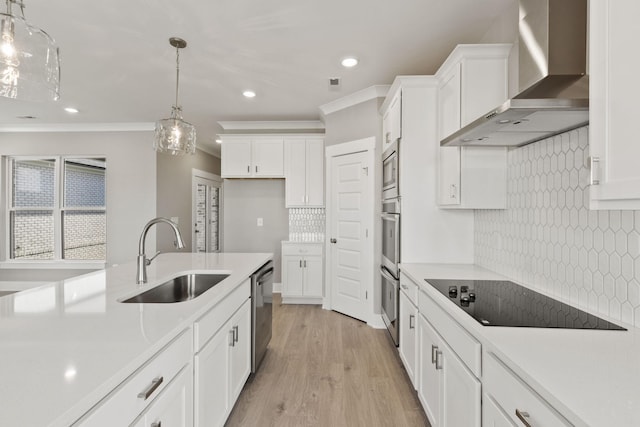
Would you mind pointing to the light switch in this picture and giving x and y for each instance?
(260, 222)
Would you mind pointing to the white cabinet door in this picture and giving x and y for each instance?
(240, 358)
(236, 158)
(212, 403)
(461, 391)
(470, 178)
(613, 113)
(174, 407)
(429, 391)
(312, 266)
(295, 172)
(315, 173)
(268, 157)
(449, 122)
(292, 276)
(493, 415)
(392, 121)
(408, 337)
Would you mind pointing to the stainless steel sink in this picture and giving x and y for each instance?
(178, 289)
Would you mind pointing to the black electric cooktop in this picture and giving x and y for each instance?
(504, 303)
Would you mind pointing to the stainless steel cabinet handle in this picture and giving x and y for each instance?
(412, 319)
(305, 263)
(333, 240)
(232, 338)
(523, 416)
(256, 168)
(438, 360)
(157, 424)
(300, 263)
(434, 349)
(153, 387)
(594, 170)
(248, 168)
(235, 334)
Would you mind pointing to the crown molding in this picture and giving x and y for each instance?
(372, 92)
(80, 127)
(272, 125)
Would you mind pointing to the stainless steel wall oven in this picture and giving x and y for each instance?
(390, 284)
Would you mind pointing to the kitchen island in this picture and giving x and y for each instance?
(67, 345)
(550, 376)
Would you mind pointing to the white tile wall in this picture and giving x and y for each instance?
(306, 224)
(548, 238)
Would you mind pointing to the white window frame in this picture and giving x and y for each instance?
(57, 210)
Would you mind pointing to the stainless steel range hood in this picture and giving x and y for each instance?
(554, 87)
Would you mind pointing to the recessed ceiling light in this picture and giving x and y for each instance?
(249, 94)
(349, 62)
(71, 110)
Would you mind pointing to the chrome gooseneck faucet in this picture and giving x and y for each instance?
(142, 257)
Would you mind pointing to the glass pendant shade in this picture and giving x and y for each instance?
(29, 61)
(175, 136)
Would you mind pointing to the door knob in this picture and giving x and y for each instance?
(333, 240)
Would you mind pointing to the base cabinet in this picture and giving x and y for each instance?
(302, 273)
(407, 335)
(221, 369)
(173, 407)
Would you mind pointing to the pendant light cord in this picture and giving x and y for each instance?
(177, 74)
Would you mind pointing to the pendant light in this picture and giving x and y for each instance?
(29, 61)
(174, 135)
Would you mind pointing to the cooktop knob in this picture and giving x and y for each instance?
(453, 291)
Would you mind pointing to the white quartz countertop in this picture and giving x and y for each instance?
(591, 376)
(66, 344)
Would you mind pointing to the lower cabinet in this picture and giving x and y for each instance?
(407, 334)
(221, 369)
(448, 391)
(493, 415)
(159, 378)
(173, 407)
(302, 273)
(514, 400)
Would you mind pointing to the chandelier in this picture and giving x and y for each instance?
(174, 135)
(29, 62)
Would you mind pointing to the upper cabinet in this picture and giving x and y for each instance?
(252, 157)
(473, 80)
(392, 121)
(614, 89)
(304, 172)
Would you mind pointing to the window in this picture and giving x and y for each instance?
(57, 208)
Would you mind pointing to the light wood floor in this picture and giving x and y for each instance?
(326, 369)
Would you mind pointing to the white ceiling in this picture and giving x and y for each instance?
(118, 67)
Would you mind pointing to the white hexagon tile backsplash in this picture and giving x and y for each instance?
(548, 238)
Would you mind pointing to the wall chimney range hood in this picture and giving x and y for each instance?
(554, 86)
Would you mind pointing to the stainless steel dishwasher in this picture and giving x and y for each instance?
(261, 313)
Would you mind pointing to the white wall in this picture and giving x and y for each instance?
(131, 182)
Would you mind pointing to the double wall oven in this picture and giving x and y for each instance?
(390, 239)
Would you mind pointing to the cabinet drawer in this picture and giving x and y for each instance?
(461, 342)
(410, 288)
(206, 327)
(301, 249)
(129, 399)
(512, 394)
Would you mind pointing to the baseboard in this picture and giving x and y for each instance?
(376, 322)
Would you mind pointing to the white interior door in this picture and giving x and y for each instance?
(207, 196)
(350, 195)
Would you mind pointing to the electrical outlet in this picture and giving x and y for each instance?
(260, 222)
